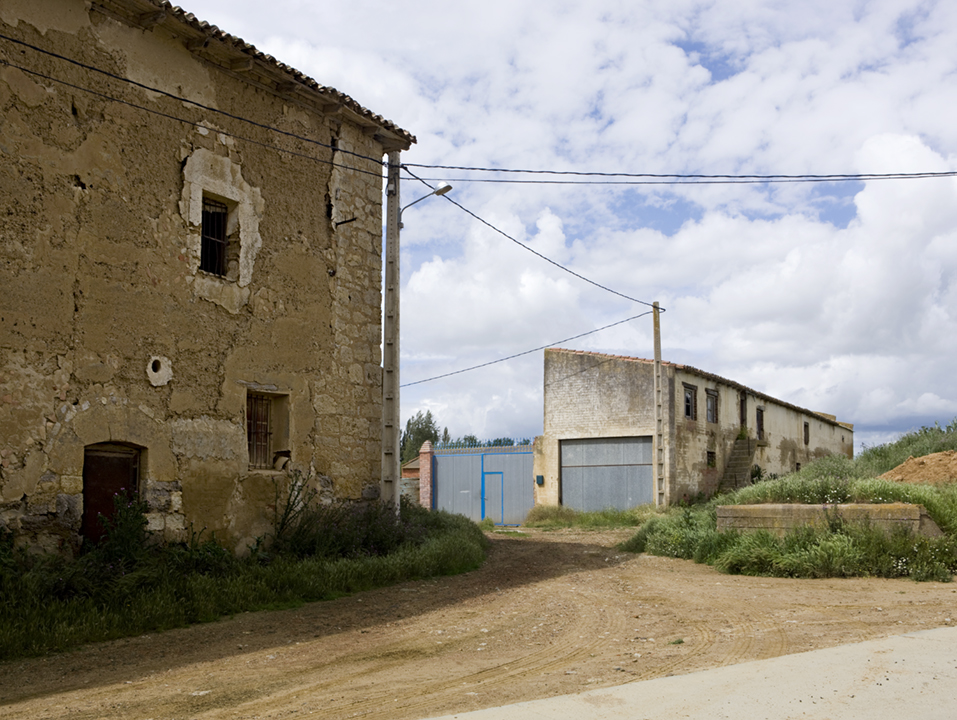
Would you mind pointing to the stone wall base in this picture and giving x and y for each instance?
(780, 518)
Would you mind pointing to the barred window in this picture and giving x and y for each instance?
(213, 254)
(258, 430)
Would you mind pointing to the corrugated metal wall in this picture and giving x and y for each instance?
(599, 473)
(485, 482)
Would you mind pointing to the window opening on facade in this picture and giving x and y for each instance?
(691, 402)
(267, 431)
(258, 432)
(712, 459)
(759, 422)
(744, 410)
(712, 405)
(215, 243)
(807, 433)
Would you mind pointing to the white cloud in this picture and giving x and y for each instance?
(838, 298)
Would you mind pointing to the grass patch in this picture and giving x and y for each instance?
(128, 585)
(878, 460)
(551, 517)
(839, 550)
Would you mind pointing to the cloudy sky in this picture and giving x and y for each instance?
(839, 297)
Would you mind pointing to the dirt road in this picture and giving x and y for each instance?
(549, 613)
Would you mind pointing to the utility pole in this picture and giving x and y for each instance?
(391, 465)
(659, 449)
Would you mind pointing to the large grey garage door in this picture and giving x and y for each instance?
(600, 473)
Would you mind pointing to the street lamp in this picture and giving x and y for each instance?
(391, 460)
(440, 190)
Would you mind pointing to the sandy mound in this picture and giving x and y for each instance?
(937, 469)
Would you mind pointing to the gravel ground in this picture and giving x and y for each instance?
(549, 613)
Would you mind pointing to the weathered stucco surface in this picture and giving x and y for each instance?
(590, 395)
(110, 332)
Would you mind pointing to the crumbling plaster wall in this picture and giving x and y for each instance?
(590, 396)
(780, 451)
(98, 265)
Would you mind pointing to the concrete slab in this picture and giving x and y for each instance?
(780, 518)
(905, 676)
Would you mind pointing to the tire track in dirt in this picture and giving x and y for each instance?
(579, 640)
(563, 613)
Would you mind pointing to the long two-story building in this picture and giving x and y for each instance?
(597, 449)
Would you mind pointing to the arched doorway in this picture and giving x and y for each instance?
(108, 469)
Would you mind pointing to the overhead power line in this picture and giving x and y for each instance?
(526, 247)
(194, 123)
(526, 352)
(611, 178)
(178, 98)
(810, 179)
(631, 178)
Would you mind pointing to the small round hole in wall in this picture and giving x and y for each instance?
(159, 370)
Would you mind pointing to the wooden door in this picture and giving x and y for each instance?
(108, 470)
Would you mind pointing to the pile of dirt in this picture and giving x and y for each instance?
(936, 469)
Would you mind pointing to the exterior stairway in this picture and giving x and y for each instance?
(737, 473)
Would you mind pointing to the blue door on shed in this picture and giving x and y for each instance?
(495, 483)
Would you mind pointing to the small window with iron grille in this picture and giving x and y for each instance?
(267, 431)
(258, 430)
(214, 251)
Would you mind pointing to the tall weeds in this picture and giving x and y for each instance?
(559, 516)
(837, 550)
(129, 585)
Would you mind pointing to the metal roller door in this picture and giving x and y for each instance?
(599, 473)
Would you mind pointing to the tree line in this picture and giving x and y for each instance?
(423, 426)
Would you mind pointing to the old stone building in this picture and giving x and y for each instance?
(190, 264)
(597, 449)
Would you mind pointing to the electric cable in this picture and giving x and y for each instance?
(194, 123)
(526, 247)
(679, 180)
(805, 177)
(634, 178)
(526, 352)
(178, 98)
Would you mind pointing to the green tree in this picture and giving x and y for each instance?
(418, 429)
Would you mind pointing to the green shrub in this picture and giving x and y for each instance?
(559, 516)
(128, 585)
(678, 535)
(878, 460)
(752, 554)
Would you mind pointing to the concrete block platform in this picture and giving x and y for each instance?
(904, 676)
(778, 518)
